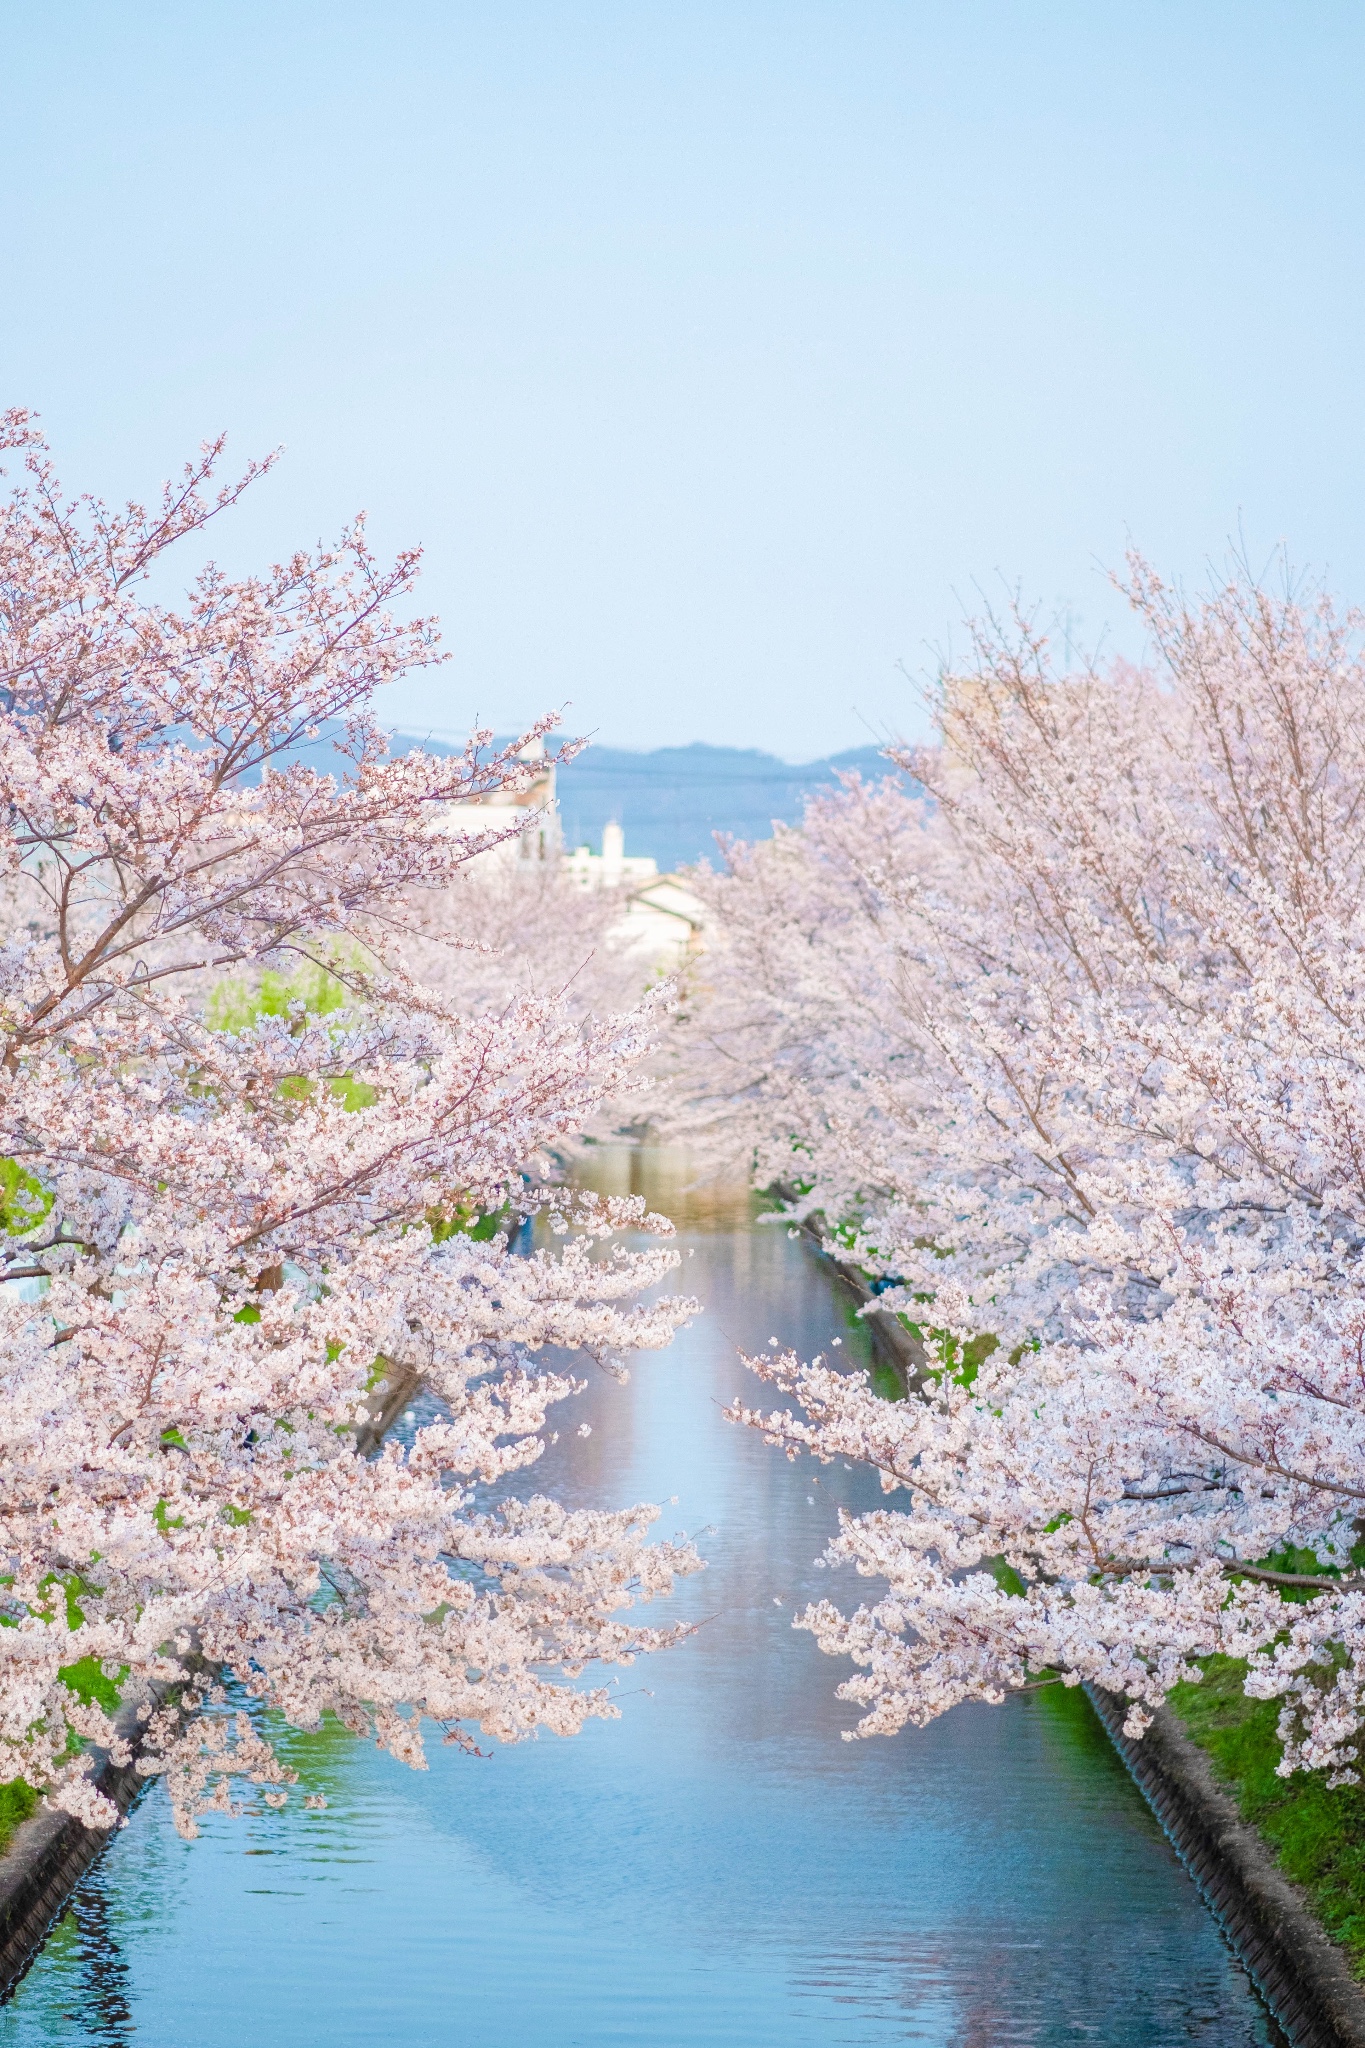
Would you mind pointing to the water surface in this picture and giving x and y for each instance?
(715, 1868)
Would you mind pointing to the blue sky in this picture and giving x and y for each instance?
(718, 355)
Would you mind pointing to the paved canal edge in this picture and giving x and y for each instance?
(1300, 1972)
(1302, 1975)
(50, 1852)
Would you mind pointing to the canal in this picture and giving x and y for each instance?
(717, 1866)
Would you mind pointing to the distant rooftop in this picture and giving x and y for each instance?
(671, 802)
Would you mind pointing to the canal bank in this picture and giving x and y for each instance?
(44, 1857)
(892, 1343)
(1281, 1864)
(1305, 1977)
(717, 1866)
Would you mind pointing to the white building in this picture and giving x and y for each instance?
(664, 916)
(610, 869)
(527, 822)
(660, 917)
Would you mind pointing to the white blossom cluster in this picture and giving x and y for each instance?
(221, 1244)
(511, 928)
(1068, 1051)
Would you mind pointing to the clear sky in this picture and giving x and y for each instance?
(718, 354)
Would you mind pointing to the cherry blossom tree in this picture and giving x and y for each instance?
(796, 1047)
(1114, 1170)
(509, 927)
(222, 1243)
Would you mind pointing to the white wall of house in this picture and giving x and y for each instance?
(660, 917)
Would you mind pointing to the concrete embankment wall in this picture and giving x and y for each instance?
(1300, 1972)
(1302, 1975)
(890, 1338)
(49, 1853)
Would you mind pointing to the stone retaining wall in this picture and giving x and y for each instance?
(50, 1852)
(1302, 1975)
(890, 1338)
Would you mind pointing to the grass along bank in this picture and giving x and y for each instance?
(1317, 1836)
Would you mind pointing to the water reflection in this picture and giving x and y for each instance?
(717, 1867)
(87, 1958)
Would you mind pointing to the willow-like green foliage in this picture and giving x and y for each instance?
(238, 1004)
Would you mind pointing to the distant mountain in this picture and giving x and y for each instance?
(670, 802)
(673, 801)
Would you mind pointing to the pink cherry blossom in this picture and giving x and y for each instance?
(223, 1243)
(1067, 1053)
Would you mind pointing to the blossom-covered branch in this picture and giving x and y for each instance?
(1087, 1100)
(226, 1232)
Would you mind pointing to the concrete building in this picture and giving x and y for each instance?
(527, 822)
(664, 916)
(612, 868)
(660, 917)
